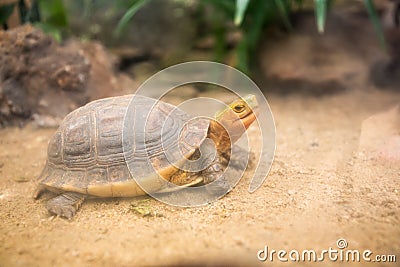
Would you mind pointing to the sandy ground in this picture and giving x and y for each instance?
(321, 188)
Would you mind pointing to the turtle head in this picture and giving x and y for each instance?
(237, 117)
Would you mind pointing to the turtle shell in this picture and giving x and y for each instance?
(99, 146)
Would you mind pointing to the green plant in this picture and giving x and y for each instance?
(251, 16)
(285, 7)
(135, 6)
(49, 15)
(53, 18)
(376, 22)
(5, 13)
(26, 13)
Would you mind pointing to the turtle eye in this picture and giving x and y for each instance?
(238, 108)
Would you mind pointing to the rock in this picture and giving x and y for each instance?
(291, 192)
(40, 76)
(385, 73)
(159, 29)
(20, 179)
(43, 121)
(380, 136)
(306, 62)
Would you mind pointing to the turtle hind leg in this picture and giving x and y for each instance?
(66, 204)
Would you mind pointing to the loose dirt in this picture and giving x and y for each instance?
(322, 187)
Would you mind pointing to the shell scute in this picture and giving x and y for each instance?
(77, 145)
(88, 153)
(109, 134)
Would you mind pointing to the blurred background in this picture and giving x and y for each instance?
(91, 49)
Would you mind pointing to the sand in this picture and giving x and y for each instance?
(322, 187)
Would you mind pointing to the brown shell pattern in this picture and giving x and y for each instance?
(87, 150)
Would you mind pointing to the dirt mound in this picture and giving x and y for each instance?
(347, 56)
(42, 79)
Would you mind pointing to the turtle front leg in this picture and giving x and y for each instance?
(239, 157)
(66, 204)
(214, 174)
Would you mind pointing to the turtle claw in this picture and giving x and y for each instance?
(219, 186)
(65, 205)
(241, 158)
(62, 211)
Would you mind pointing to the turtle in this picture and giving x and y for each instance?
(88, 156)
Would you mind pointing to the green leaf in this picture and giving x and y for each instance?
(5, 12)
(283, 9)
(260, 10)
(242, 55)
(53, 13)
(128, 15)
(241, 6)
(330, 4)
(52, 30)
(228, 7)
(320, 12)
(376, 22)
(299, 3)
